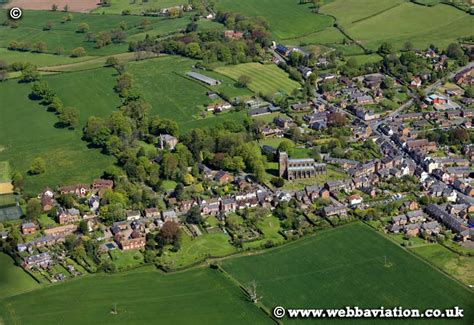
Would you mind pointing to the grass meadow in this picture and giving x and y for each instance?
(346, 267)
(27, 131)
(373, 22)
(30, 29)
(286, 18)
(143, 296)
(266, 79)
(13, 279)
(164, 84)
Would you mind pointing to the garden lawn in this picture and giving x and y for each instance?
(286, 18)
(267, 79)
(349, 266)
(460, 267)
(5, 171)
(144, 296)
(27, 131)
(13, 279)
(197, 249)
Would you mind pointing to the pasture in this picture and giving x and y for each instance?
(28, 131)
(197, 249)
(286, 18)
(38, 59)
(64, 35)
(265, 79)
(421, 25)
(164, 84)
(348, 266)
(76, 6)
(13, 279)
(137, 7)
(90, 91)
(144, 296)
(460, 267)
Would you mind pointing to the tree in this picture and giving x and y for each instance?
(38, 166)
(194, 215)
(454, 51)
(33, 208)
(469, 93)
(78, 52)
(385, 48)
(408, 46)
(169, 234)
(18, 181)
(83, 28)
(54, 7)
(48, 25)
(66, 8)
(193, 50)
(69, 116)
(111, 61)
(277, 181)
(29, 74)
(41, 47)
(244, 81)
(83, 228)
(102, 39)
(251, 289)
(285, 145)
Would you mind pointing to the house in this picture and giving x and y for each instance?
(133, 215)
(399, 220)
(167, 141)
(451, 222)
(334, 210)
(94, 203)
(68, 216)
(47, 199)
(136, 240)
(28, 228)
(61, 231)
(415, 82)
(430, 228)
(354, 199)
(223, 177)
(228, 205)
(169, 215)
(412, 229)
(233, 35)
(79, 190)
(102, 184)
(465, 76)
(283, 50)
(152, 213)
(42, 260)
(210, 207)
(415, 216)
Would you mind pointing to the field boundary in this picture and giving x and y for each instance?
(419, 257)
(376, 14)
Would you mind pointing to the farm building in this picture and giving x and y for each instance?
(203, 78)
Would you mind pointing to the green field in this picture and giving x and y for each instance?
(372, 22)
(13, 280)
(164, 84)
(287, 19)
(117, 6)
(38, 59)
(266, 79)
(144, 296)
(460, 267)
(27, 131)
(30, 29)
(197, 249)
(346, 267)
(5, 171)
(91, 91)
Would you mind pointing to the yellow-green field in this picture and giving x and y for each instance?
(265, 79)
